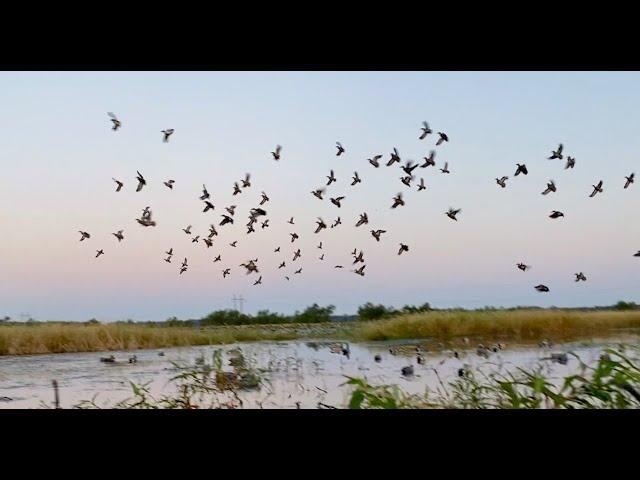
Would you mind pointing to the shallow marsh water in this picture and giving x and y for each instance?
(295, 373)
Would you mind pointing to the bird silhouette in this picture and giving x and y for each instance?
(409, 167)
(451, 213)
(276, 250)
(208, 242)
(320, 246)
(264, 199)
(282, 265)
(580, 277)
(398, 201)
(83, 235)
(522, 169)
(116, 123)
(217, 259)
(596, 189)
(141, 181)
(502, 181)
(168, 259)
(355, 179)
(364, 219)
(430, 160)
(259, 281)
(318, 193)
(523, 267)
(403, 248)
(406, 180)
(195, 239)
(443, 138)
(233, 244)
(446, 168)
(630, 180)
(236, 189)
(331, 178)
(360, 271)
(376, 234)
(294, 237)
(246, 182)
(336, 223)
(225, 272)
(298, 271)
(205, 194)
(551, 187)
(187, 230)
(231, 210)
(118, 235)
(119, 183)
(291, 221)
(169, 184)
(340, 149)
(358, 258)
(336, 201)
(395, 158)
(375, 161)
(212, 231)
(99, 252)
(556, 214)
(321, 225)
(541, 288)
(296, 254)
(276, 154)
(265, 224)
(556, 153)
(321, 257)
(425, 131)
(208, 206)
(226, 219)
(167, 133)
(571, 162)
(170, 252)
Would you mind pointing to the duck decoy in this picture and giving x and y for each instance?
(133, 359)
(561, 358)
(378, 358)
(425, 131)
(407, 371)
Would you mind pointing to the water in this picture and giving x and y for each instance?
(297, 372)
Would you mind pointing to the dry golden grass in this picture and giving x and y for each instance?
(522, 325)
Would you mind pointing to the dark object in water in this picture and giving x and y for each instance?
(377, 358)
(133, 359)
(561, 358)
(407, 371)
(56, 396)
(420, 360)
(605, 356)
(456, 354)
(6, 399)
(109, 359)
(462, 372)
(161, 354)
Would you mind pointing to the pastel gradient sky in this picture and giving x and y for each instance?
(59, 154)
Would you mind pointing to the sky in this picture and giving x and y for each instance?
(59, 154)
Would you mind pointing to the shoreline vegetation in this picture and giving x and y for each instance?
(373, 323)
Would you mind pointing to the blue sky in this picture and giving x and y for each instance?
(59, 154)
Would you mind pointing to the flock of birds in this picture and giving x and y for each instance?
(257, 215)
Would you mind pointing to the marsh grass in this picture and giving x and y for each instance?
(519, 325)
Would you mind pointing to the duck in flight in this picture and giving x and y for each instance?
(276, 250)
(118, 235)
(168, 259)
(318, 193)
(425, 131)
(522, 169)
(233, 244)
(195, 239)
(363, 219)
(146, 220)
(551, 187)
(340, 149)
(421, 185)
(358, 258)
(336, 223)
(170, 252)
(246, 182)
(167, 133)
(187, 230)
(571, 162)
(264, 199)
(236, 189)
(169, 184)
(403, 248)
(225, 272)
(556, 214)
(141, 181)
(118, 183)
(398, 201)
(596, 189)
(319, 247)
(99, 252)
(443, 138)
(541, 288)
(376, 234)
(630, 180)
(331, 178)
(359, 271)
(580, 277)
(502, 181)
(523, 267)
(355, 179)
(296, 254)
(183, 269)
(321, 257)
(259, 281)
(321, 225)
(395, 157)
(291, 221)
(336, 201)
(208, 206)
(446, 168)
(556, 153)
(406, 180)
(226, 219)
(208, 242)
(429, 161)
(409, 167)
(217, 259)
(375, 161)
(282, 265)
(265, 224)
(116, 123)
(205, 194)
(231, 210)
(83, 235)
(451, 213)
(276, 154)
(298, 271)
(294, 237)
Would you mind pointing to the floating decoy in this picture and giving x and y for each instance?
(109, 359)
(116, 123)
(375, 161)
(246, 182)
(430, 160)
(141, 181)
(596, 189)
(340, 149)
(580, 277)
(425, 131)
(451, 213)
(407, 371)
(376, 234)
(523, 267)
(336, 201)
(161, 354)
(318, 193)
(395, 158)
(556, 153)
(167, 133)
(556, 214)
(83, 235)
(403, 248)
(99, 252)
(264, 199)
(551, 187)
(420, 359)
(363, 219)
(541, 288)
(276, 154)
(571, 162)
(356, 179)
(208, 206)
(421, 185)
(443, 138)
(378, 358)
(169, 184)
(502, 181)
(630, 180)
(522, 169)
(205, 194)
(321, 225)
(119, 235)
(398, 201)
(119, 183)
(133, 359)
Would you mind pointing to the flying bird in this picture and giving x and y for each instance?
(118, 235)
(119, 183)
(212, 231)
(99, 252)
(630, 180)
(596, 189)
(359, 271)
(551, 187)
(340, 149)
(403, 248)
(83, 235)
(430, 160)
(246, 183)
(294, 237)
(336, 223)
(167, 133)
(168, 259)
(169, 184)
(187, 230)
(541, 288)
(556, 214)
(336, 201)
(331, 178)
(170, 252)
(233, 244)
(363, 219)
(320, 246)
(321, 257)
(236, 188)
(225, 272)
(318, 193)
(182, 270)
(146, 220)
(231, 210)
(296, 254)
(502, 181)
(523, 267)
(265, 224)
(298, 271)
(446, 168)
(580, 277)
(208, 242)
(276, 250)
(208, 206)
(358, 258)
(195, 239)
(116, 123)
(451, 213)
(282, 265)
(425, 131)
(406, 180)
(398, 201)
(409, 167)
(141, 181)
(356, 179)
(376, 234)
(264, 199)
(205, 193)
(217, 259)
(375, 161)
(395, 158)
(226, 219)
(571, 162)
(443, 138)
(421, 185)
(522, 169)
(259, 281)
(291, 221)
(321, 225)
(556, 153)
(276, 154)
